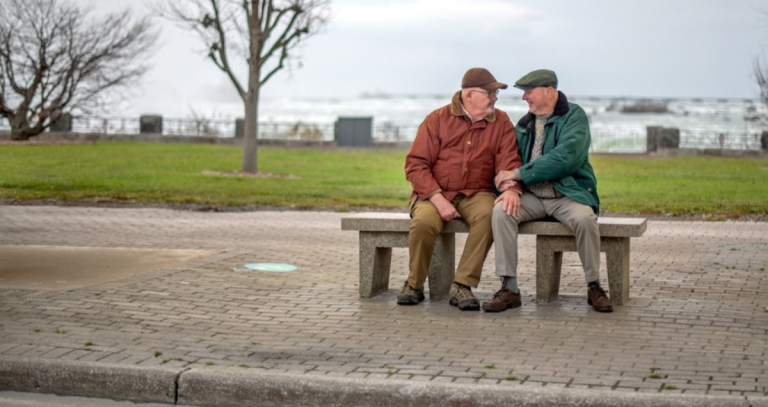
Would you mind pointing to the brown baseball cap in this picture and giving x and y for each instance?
(481, 78)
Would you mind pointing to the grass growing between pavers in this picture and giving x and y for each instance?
(205, 177)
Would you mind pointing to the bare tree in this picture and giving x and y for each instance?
(53, 59)
(760, 74)
(760, 71)
(262, 33)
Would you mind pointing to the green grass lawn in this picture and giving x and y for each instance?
(181, 174)
(203, 176)
(725, 187)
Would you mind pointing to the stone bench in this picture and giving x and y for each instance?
(380, 232)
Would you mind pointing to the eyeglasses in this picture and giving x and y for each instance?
(488, 94)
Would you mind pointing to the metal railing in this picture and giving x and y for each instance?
(605, 139)
(394, 133)
(713, 139)
(618, 139)
(198, 127)
(634, 140)
(296, 131)
(104, 125)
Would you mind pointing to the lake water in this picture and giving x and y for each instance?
(703, 123)
(710, 123)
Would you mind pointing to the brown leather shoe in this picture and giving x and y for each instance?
(504, 299)
(597, 298)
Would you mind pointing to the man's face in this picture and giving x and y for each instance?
(538, 99)
(483, 100)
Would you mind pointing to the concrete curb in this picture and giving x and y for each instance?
(225, 387)
(87, 379)
(236, 388)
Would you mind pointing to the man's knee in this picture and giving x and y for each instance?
(425, 223)
(477, 209)
(500, 215)
(587, 221)
(498, 210)
(479, 218)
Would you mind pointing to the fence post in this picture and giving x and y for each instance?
(658, 137)
(239, 128)
(62, 123)
(354, 132)
(652, 135)
(150, 124)
(670, 138)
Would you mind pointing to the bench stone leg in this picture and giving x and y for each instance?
(375, 260)
(554, 279)
(549, 263)
(441, 269)
(617, 259)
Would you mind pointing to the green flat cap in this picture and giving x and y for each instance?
(539, 77)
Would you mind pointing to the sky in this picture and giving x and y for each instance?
(630, 48)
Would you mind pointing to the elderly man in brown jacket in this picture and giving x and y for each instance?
(451, 165)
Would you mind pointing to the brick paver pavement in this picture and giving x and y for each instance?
(696, 323)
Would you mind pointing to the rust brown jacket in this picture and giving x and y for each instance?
(452, 155)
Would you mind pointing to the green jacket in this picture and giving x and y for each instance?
(564, 160)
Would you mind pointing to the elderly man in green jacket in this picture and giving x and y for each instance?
(553, 140)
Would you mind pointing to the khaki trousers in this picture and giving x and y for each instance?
(426, 226)
(580, 218)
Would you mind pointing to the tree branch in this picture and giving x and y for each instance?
(761, 77)
(282, 42)
(222, 50)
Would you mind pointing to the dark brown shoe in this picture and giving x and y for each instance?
(504, 299)
(597, 298)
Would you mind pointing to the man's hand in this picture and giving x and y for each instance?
(505, 185)
(446, 210)
(505, 178)
(511, 202)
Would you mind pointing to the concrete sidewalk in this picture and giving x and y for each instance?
(695, 331)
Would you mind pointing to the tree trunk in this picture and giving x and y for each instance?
(20, 130)
(251, 132)
(18, 135)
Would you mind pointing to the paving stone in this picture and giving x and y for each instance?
(695, 311)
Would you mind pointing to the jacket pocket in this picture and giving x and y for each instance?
(452, 180)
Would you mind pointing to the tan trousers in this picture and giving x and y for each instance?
(426, 226)
(580, 218)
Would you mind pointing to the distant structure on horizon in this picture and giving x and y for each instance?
(645, 106)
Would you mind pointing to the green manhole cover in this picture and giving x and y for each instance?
(267, 268)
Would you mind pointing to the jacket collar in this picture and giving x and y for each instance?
(561, 109)
(458, 110)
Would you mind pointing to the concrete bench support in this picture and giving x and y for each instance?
(380, 232)
(376, 257)
(549, 263)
